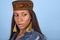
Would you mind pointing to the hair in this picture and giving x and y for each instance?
(35, 24)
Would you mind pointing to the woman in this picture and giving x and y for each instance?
(25, 21)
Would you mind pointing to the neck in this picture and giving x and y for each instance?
(22, 31)
(20, 34)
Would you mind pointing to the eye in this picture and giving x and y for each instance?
(24, 14)
(15, 14)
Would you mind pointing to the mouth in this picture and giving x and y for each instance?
(20, 25)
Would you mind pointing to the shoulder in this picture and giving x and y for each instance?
(13, 35)
(38, 36)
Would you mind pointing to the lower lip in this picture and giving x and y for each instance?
(20, 25)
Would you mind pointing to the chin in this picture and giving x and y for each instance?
(22, 28)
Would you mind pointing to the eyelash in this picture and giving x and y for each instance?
(24, 14)
(15, 15)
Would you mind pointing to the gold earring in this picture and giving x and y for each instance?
(29, 28)
(14, 29)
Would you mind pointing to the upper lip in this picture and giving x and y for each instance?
(20, 24)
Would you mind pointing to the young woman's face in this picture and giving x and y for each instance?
(22, 18)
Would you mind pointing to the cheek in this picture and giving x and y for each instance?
(15, 19)
(27, 19)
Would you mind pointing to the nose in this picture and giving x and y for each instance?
(20, 19)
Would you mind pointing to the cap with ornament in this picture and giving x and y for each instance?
(22, 5)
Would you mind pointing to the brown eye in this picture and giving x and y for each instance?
(24, 14)
(15, 14)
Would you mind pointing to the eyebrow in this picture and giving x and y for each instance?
(23, 12)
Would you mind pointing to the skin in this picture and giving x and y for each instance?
(22, 19)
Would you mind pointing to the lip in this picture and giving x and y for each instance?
(20, 25)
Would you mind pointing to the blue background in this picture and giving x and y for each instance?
(48, 14)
